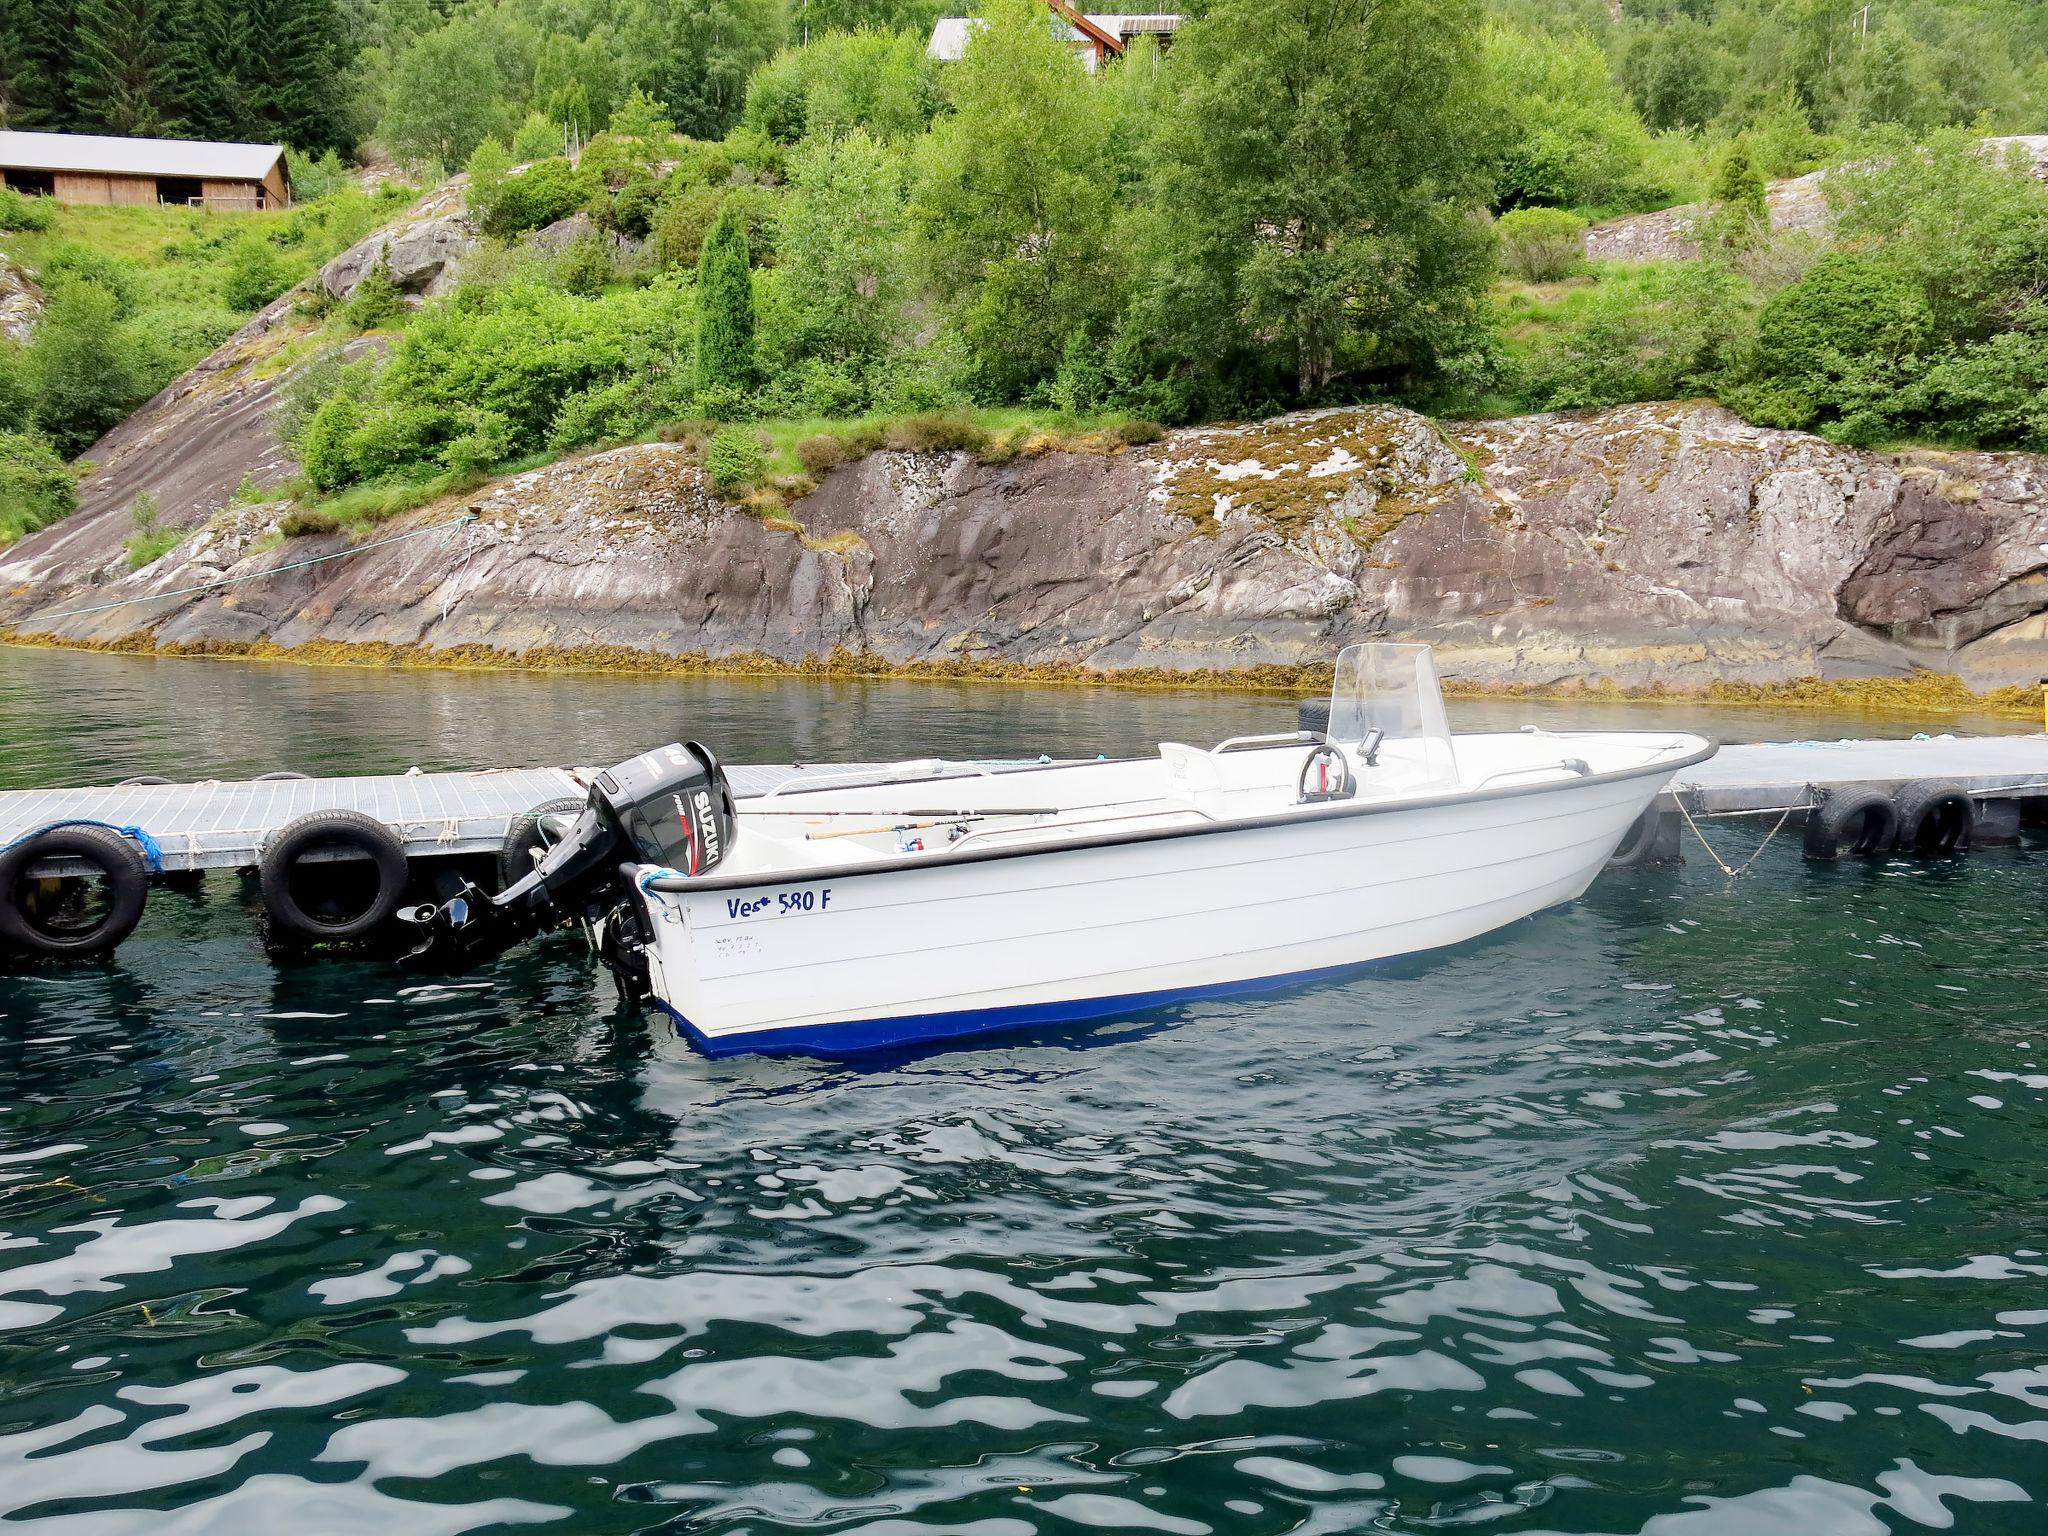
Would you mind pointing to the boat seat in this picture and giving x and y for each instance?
(1192, 777)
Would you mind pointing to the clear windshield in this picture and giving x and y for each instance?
(1386, 702)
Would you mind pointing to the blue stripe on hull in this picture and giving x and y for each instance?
(858, 1036)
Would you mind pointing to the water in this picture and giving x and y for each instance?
(1691, 1208)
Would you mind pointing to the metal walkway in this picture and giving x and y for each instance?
(222, 825)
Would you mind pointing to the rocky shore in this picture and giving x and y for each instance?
(1645, 547)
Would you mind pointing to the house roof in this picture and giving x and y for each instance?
(950, 33)
(137, 157)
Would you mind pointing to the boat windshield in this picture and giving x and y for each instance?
(1386, 704)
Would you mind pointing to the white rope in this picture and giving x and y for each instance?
(1734, 871)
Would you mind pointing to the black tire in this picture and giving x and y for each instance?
(57, 916)
(1936, 818)
(1639, 842)
(1313, 716)
(281, 773)
(141, 779)
(1858, 820)
(326, 900)
(526, 837)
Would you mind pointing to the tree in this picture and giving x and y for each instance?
(711, 47)
(1013, 199)
(27, 78)
(85, 379)
(119, 76)
(1563, 133)
(725, 308)
(842, 257)
(447, 91)
(1317, 189)
(287, 72)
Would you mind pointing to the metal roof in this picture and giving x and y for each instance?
(137, 157)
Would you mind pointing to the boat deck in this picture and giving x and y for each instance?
(221, 825)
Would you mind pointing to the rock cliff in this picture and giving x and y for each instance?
(1646, 545)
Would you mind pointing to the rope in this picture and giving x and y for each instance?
(1735, 871)
(228, 581)
(151, 851)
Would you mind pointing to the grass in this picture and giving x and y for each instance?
(992, 436)
(148, 546)
(171, 262)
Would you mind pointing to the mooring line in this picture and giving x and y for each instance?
(279, 570)
(1736, 870)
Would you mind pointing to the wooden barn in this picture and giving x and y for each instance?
(86, 168)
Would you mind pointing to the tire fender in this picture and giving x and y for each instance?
(1639, 842)
(119, 861)
(278, 870)
(1855, 819)
(1936, 818)
(526, 837)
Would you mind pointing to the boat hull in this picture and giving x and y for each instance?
(864, 960)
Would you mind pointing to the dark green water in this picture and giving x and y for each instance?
(1693, 1208)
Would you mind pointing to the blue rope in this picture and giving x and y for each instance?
(151, 852)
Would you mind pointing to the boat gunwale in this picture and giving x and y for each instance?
(678, 884)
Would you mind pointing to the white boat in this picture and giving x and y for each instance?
(936, 900)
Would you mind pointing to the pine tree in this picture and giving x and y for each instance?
(119, 81)
(725, 308)
(25, 81)
(290, 72)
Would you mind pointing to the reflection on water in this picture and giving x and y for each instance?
(1691, 1208)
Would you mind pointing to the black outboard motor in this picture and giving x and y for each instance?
(670, 806)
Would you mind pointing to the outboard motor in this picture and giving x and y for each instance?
(670, 806)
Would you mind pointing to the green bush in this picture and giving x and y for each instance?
(482, 439)
(151, 541)
(166, 340)
(254, 275)
(376, 301)
(540, 195)
(585, 266)
(1647, 334)
(82, 366)
(17, 389)
(1540, 245)
(25, 215)
(36, 486)
(735, 460)
(71, 265)
(1835, 348)
(537, 138)
(516, 369)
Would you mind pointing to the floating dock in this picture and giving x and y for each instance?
(221, 824)
(1769, 776)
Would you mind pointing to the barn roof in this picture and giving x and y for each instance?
(137, 157)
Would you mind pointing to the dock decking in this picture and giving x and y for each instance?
(1772, 775)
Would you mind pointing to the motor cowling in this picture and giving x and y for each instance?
(670, 806)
